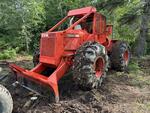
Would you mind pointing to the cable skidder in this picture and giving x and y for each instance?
(81, 41)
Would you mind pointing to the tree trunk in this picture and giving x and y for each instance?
(140, 47)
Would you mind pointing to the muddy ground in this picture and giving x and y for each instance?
(121, 92)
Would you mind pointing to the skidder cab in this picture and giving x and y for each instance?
(81, 41)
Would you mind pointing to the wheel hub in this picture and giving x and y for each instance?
(126, 56)
(99, 66)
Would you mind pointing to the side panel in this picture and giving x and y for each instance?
(73, 42)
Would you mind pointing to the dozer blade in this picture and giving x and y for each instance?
(34, 75)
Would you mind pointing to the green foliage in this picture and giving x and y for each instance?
(8, 54)
(21, 21)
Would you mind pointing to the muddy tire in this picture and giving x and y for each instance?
(6, 103)
(120, 56)
(90, 65)
(36, 56)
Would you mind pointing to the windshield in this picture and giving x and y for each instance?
(67, 23)
(82, 22)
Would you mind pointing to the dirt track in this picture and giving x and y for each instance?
(120, 93)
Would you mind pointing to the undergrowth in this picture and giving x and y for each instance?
(137, 75)
(8, 54)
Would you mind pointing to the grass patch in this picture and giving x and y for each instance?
(133, 66)
(142, 107)
(137, 75)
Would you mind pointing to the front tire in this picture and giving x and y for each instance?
(6, 102)
(90, 65)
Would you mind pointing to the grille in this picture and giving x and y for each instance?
(48, 45)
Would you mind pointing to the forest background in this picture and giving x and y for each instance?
(22, 21)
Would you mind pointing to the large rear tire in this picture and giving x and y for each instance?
(6, 102)
(90, 65)
(120, 56)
